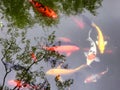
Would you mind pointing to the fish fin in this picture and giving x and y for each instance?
(59, 66)
(97, 37)
(97, 59)
(97, 42)
(89, 38)
(86, 54)
(105, 42)
(102, 73)
(68, 54)
(90, 66)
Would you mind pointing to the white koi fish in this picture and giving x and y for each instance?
(91, 54)
(95, 77)
(101, 42)
(60, 71)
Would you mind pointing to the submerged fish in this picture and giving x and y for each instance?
(60, 71)
(44, 10)
(91, 54)
(65, 39)
(15, 83)
(101, 42)
(68, 49)
(95, 77)
(79, 22)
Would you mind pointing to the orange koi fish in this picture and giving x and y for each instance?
(68, 49)
(101, 42)
(33, 56)
(95, 77)
(64, 39)
(91, 54)
(44, 10)
(60, 71)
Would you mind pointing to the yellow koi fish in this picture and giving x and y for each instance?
(100, 43)
(60, 71)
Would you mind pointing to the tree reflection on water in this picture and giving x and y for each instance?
(20, 14)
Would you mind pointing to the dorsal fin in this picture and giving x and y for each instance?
(105, 43)
(59, 66)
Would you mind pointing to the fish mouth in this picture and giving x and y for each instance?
(54, 16)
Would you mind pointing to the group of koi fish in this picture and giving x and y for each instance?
(91, 55)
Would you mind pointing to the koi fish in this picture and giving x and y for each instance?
(68, 49)
(79, 23)
(101, 43)
(91, 54)
(44, 10)
(64, 39)
(60, 71)
(15, 83)
(95, 77)
(33, 56)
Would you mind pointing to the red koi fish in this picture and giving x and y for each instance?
(44, 10)
(67, 49)
(33, 56)
(18, 83)
(15, 83)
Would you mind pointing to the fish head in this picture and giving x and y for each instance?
(87, 80)
(50, 72)
(76, 48)
(51, 13)
(54, 15)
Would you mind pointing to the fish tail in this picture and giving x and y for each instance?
(81, 67)
(102, 73)
(89, 38)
